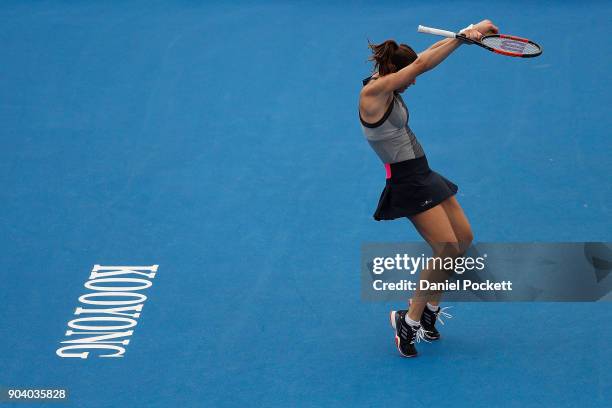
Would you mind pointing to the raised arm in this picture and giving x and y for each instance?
(436, 45)
(427, 60)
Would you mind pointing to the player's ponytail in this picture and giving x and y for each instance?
(390, 57)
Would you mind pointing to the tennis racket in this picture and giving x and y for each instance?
(498, 43)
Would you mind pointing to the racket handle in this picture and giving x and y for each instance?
(436, 31)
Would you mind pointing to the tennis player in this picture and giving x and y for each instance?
(412, 189)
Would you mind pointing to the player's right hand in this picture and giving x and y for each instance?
(486, 27)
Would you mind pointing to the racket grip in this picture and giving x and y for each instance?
(436, 31)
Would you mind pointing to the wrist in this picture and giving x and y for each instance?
(466, 28)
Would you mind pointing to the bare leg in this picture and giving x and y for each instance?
(461, 228)
(435, 227)
(459, 222)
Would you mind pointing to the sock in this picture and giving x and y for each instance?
(411, 322)
(432, 307)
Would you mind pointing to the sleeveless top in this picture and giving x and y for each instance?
(391, 137)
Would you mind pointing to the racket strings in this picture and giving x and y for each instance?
(509, 45)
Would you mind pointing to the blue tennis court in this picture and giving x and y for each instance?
(220, 141)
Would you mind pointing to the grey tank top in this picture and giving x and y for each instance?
(391, 137)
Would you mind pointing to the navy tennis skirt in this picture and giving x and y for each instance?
(411, 188)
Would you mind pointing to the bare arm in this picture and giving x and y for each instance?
(426, 61)
(377, 93)
(436, 45)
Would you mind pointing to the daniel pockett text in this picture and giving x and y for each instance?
(108, 314)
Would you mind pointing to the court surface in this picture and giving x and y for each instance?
(221, 141)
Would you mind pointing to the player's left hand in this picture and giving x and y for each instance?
(473, 34)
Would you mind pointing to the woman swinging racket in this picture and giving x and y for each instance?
(412, 189)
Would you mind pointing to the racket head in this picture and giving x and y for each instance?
(511, 46)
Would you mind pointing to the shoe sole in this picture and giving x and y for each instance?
(397, 339)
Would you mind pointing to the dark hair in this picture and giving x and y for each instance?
(389, 57)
